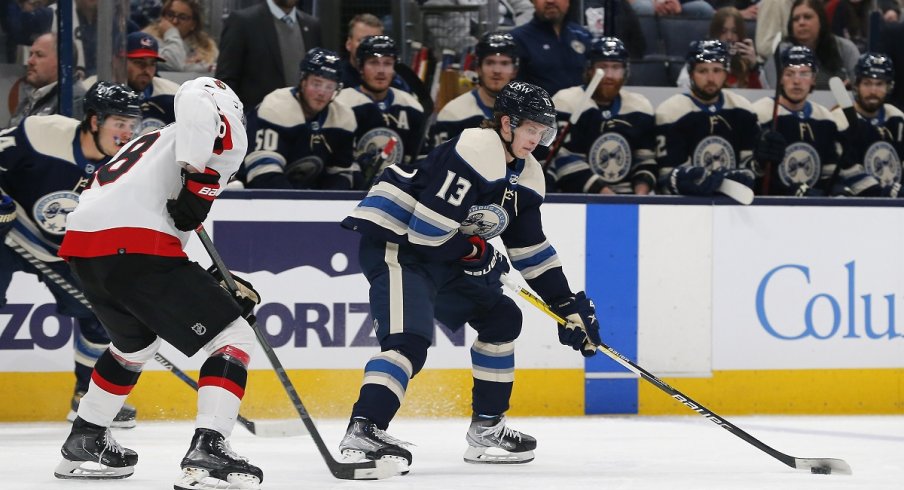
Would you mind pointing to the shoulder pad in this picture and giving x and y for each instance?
(635, 102)
(567, 100)
(674, 108)
(482, 150)
(51, 135)
(763, 110)
(351, 97)
(532, 176)
(892, 111)
(340, 116)
(460, 108)
(281, 108)
(163, 86)
(734, 100)
(403, 98)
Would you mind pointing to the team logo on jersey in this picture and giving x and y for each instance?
(371, 145)
(800, 165)
(149, 124)
(51, 210)
(610, 157)
(578, 46)
(882, 162)
(304, 171)
(486, 221)
(714, 153)
(199, 329)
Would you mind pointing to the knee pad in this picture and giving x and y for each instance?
(501, 324)
(413, 347)
(134, 361)
(236, 342)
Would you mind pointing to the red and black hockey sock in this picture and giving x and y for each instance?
(111, 383)
(221, 388)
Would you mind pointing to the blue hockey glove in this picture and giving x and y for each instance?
(694, 181)
(486, 262)
(7, 215)
(246, 296)
(579, 312)
(770, 148)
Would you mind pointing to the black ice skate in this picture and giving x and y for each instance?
(90, 452)
(211, 463)
(363, 441)
(490, 441)
(125, 419)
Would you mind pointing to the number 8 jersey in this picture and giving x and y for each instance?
(123, 210)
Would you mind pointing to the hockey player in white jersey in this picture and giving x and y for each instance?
(125, 240)
(425, 253)
(44, 163)
(497, 65)
(609, 150)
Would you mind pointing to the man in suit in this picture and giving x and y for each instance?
(261, 48)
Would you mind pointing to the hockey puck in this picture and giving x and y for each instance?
(821, 470)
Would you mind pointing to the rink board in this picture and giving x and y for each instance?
(759, 309)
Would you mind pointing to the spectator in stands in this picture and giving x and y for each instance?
(747, 8)
(666, 8)
(851, 19)
(808, 26)
(771, 19)
(743, 70)
(627, 26)
(302, 138)
(552, 49)
(891, 44)
(186, 46)
(38, 93)
(609, 150)
(261, 48)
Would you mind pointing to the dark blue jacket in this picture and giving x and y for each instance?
(550, 61)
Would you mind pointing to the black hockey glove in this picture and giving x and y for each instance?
(189, 209)
(694, 181)
(740, 175)
(582, 326)
(7, 215)
(246, 296)
(486, 262)
(770, 148)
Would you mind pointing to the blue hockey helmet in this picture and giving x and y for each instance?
(874, 65)
(111, 99)
(799, 56)
(496, 43)
(524, 101)
(376, 46)
(608, 49)
(322, 63)
(707, 51)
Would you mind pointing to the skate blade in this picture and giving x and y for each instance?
(90, 470)
(399, 463)
(199, 478)
(493, 455)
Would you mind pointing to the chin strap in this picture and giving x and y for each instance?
(507, 144)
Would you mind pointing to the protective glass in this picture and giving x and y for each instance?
(321, 85)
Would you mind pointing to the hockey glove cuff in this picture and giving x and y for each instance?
(7, 215)
(246, 296)
(189, 209)
(694, 181)
(582, 326)
(486, 262)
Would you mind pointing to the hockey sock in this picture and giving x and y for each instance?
(220, 389)
(111, 382)
(386, 378)
(493, 368)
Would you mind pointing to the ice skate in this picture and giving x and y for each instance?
(125, 419)
(90, 452)
(210, 463)
(363, 441)
(491, 442)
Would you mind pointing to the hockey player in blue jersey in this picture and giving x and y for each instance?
(610, 148)
(497, 65)
(709, 134)
(815, 146)
(300, 138)
(44, 162)
(383, 112)
(424, 251)
(877, 140)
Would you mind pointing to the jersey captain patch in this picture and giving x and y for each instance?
(486, 221)
(883, 163)
(800, 165)
(610, 157)
(714, 153)
(51, 210)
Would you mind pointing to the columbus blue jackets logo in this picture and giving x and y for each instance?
(487, 221)
(149, 124)
(50, 211)
(371, 144)
(883, 163)
(800, 166)
(714, 153)
(610, 157)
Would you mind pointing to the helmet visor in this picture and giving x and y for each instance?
(533, 129)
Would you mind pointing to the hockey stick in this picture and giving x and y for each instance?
(843, 99)
(815, 465)
(777, 61)
(369, 470)
(575, 115)
(73, 291)
(737, 191)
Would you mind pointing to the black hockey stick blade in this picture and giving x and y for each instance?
(823, 466)
(368, 470)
